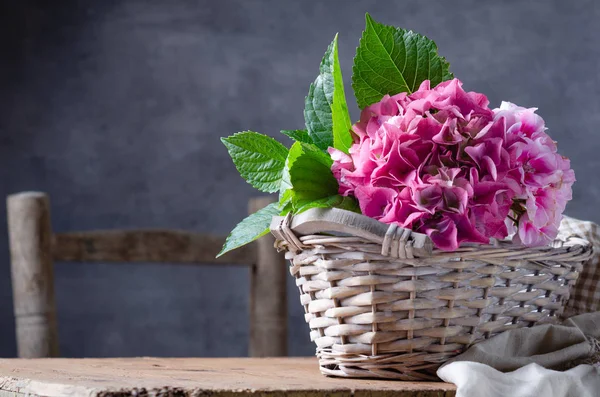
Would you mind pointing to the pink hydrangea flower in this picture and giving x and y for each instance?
(440, 162)
(541, 177)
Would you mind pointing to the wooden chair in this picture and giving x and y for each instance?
(34, 247)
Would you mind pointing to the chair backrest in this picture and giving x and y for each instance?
(34, 248)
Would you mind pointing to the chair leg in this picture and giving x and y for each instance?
(268, 298)
(30, 237)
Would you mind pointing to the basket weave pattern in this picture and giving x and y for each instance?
(376, 311)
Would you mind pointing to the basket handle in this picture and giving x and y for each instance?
(396, 242)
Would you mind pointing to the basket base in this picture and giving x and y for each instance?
(405, 367)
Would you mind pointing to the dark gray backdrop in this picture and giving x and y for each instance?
(115, 108)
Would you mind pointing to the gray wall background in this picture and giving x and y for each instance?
(115, 109)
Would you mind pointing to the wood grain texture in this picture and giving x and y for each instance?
(296, 377)
(30, 238)
(268, 297)
(167, 246)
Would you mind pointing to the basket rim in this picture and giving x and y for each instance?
(316, 221)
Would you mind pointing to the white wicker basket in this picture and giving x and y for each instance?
(381, 303)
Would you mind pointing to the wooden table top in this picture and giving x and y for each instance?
(231, 377)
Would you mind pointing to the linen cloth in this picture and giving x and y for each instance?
(480, 380)
(535, 356)
(545, 360)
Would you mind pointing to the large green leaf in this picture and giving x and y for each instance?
(258, 158)
(325, 109)
(342, 138)
(311, 177)
(307, 182)
(391, 60)
(298, 135)
(337, 201)
(251, 228)
(285, 190)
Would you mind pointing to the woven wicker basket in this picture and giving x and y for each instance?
(381, 303)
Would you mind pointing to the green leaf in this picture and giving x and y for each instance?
(337, 201)
(310, 176)
(258, 158)
(306, 177)
(342, 138)
(298, 135)
(316, 115)
(391, 60)
(325, 109)
(251, 228)
(286, 209)
(285, 190)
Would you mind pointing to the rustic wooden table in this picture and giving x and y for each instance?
(231, 377)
